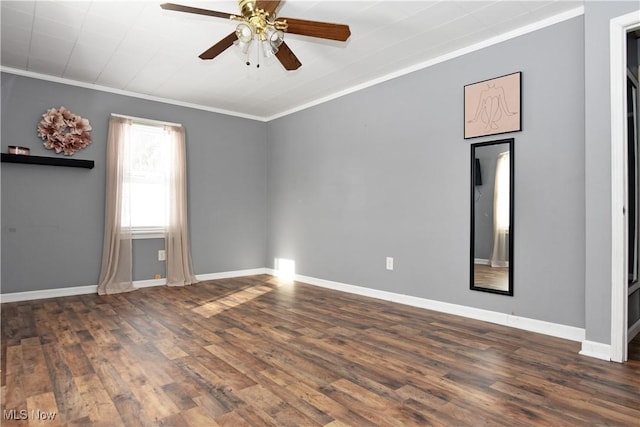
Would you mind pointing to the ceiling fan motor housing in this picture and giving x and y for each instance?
(247, 7)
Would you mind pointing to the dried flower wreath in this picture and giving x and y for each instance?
(64, 131)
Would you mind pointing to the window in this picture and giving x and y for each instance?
(146, 179)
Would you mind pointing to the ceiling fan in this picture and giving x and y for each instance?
(258, 22)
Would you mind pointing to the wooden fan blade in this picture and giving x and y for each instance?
(268, 6)
(287, 58)
(323, 30)
(196, 10)
(219, 47)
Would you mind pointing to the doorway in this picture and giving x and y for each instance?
(625, 186)
(633, 190)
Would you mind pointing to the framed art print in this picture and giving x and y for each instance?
(493, 106)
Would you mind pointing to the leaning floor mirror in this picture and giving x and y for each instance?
(492, 216)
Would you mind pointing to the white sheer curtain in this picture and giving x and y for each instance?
(115, 274)
(501, 214)
(179, 264)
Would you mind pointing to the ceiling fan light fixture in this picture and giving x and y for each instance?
(274, 37)
(243, 46)
(268, 49)
(244, 32)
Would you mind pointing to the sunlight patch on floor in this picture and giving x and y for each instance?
(230, 301)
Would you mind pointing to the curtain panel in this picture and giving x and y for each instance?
(179, 264)
(500, 255)
(115, 274)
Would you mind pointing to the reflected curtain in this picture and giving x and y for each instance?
(501, 201)
(116, 271)
(178, 254)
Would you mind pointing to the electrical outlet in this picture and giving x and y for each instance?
(389, 263)
(162, 255)
(158, 276)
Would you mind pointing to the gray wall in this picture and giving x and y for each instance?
(53, 217)
(598, 165)
(385, 172)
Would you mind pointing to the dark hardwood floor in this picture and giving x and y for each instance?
(252, 351)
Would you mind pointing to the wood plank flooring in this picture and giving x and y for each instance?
(489, 277)
(252, 351)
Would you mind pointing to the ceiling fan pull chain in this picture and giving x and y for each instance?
(258, 55)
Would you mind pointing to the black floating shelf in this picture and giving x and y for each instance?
(51, 161)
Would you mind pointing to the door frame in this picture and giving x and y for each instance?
(618, 79)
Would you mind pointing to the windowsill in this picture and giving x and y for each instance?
(137, 236)
(150, 233)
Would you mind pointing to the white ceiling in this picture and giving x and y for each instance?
(137, 47)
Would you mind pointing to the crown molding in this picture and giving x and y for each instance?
(578, 11)
(100, 88)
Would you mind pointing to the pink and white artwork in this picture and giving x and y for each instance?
(493, 106)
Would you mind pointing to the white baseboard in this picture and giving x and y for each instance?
(547, 328)
(203, 277)
(482, 261)
(48, 293)
(230, 274)
(92, 289)
(139, 284)
(596, 350)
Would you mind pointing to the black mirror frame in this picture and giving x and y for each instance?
(509, 141)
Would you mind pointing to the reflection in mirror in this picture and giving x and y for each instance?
(492, 216)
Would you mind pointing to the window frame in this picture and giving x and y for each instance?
(146, 232)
